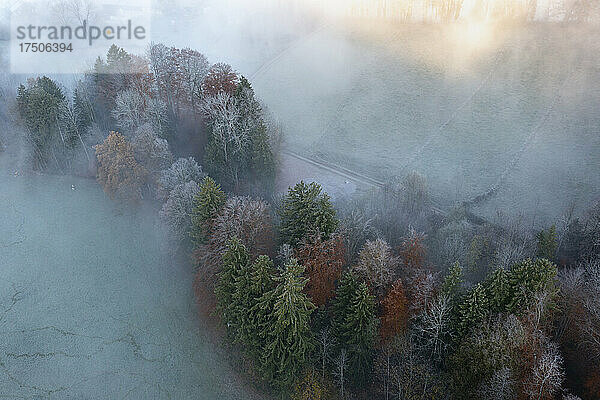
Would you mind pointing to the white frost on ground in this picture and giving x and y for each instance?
(92, 303)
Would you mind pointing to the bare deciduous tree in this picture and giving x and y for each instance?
(245, 218)
(548, 373)
(434, 330)
(377, 264)
(182, 171)
(325, 344)
(177, 210)
(340, 372)
(501, 386)
(150, 150)
(129, 110)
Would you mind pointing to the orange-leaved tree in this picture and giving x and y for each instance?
(394, 309)
(323, 260)
(118, 172)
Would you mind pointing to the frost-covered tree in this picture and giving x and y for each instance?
(177, 210)
(156, 115)
(501, 386)
(485, 351)
(434, 329)
(514, 243)
(179, 74)
(376, 264)
(194, 68)
(548, 374)
(357, 228)
(129, 109)
(415, 195)
(245, 218)
(422, 289)
(342, 363)
(408, 377)
(227, 152)
(239, 150)
(221, 78)
(182, 171)
(150, 150)
(325, 345)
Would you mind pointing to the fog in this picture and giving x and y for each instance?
(476, 107)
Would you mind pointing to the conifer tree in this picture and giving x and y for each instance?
(306, 211)
(546, 245)
(207, 204)
(355, 325)
(341, 306)
(473, 309)
(288, 336)
(235, 262)
(38, 105)
(451, 286)
(529, 277)
(497, 288)
(361, 328)
(251, 286)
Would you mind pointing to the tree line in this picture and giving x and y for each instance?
(325, 305)
(166, 104)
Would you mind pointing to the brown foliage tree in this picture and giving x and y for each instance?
(412, 250)
(118, 172)
(323, 261)
(221, 78)
(394, 311)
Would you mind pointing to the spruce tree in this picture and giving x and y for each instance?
(473, 309)
(207, 204)
(251, 286)
(546, 245)
(288, 336)
(453, 281)
(355, 325)
(529, 277)
(262, 161)
(498, 290)
(306, 211)
(235, 263)
(341, 307)
(361, 330)
(38, 106)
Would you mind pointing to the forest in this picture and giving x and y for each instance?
(379, 295)
(382, 296)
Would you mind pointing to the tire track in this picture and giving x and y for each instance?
(517, 156)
